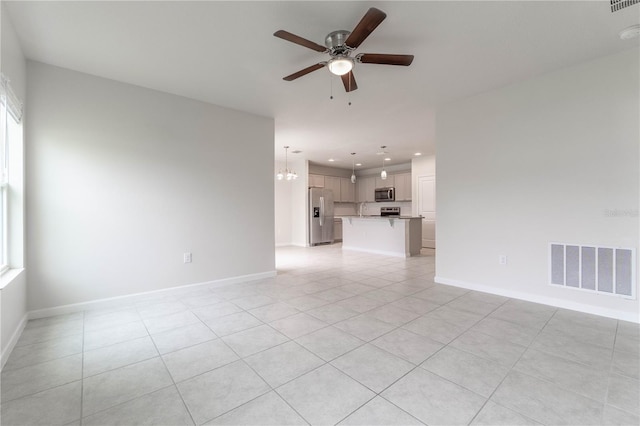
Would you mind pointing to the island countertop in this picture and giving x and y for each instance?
(369, 217)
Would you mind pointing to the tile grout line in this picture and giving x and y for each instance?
(169, 374)
(132, 399)
(512, 369)
(606, 394)
(134, 363)
(261, 378)
(432, 355)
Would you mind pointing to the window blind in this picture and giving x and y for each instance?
(9, 98)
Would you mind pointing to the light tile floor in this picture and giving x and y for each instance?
(336, 337)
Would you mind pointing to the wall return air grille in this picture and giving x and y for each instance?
(606, 270)
(621, 4)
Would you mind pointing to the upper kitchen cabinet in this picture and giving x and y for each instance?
(316, 181)
(347, 191)
(365, 187)
(333, 183)
(386, 183)
(403, 186)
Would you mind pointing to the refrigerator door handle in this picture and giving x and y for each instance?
(321, 211)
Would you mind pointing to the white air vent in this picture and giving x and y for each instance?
(606, 270)
(617, 5)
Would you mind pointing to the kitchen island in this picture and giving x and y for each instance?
(399, 236)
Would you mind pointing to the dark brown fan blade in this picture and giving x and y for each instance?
(349, 81)
(285, 35)
(367, 24)
(305, 71)
(384, 59)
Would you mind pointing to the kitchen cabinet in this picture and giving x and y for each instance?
(333, 183)
(403, 186)
(365, 187)
(347, 191)
(316, 181)
(386, 183)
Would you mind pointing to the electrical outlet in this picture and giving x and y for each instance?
(502, 259)
(186, 257)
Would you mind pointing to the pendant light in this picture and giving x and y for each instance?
(353, 173)
(287, 174)
(383, 173)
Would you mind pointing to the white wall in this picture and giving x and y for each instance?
(13, 285)
(122, 180)
(537, 162)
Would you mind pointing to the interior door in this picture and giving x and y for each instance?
(427, 209)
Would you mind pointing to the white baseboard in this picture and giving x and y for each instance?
(77, 307)
(551, 301)
(12, 342)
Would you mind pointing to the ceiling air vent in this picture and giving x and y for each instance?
(621, 4)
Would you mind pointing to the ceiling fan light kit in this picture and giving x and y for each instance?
(340, 44)
(340, 65)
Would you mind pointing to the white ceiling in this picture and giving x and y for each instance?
(224, 53)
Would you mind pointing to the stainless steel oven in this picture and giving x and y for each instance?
(385, 194)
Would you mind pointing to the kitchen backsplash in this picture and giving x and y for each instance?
(344, 209)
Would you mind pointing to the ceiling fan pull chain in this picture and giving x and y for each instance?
(331, 86)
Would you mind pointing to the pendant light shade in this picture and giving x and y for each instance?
(286, 174)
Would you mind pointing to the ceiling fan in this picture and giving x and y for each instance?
(340, 44)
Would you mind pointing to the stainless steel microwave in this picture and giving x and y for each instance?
(385, 194)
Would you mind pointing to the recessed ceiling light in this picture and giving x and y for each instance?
(630, 32)
(417, 154)
(387, 159)
(358, 164)
(331, 160)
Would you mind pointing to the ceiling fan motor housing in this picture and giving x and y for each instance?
(335, 41)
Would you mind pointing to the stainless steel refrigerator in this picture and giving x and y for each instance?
(320, 216)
